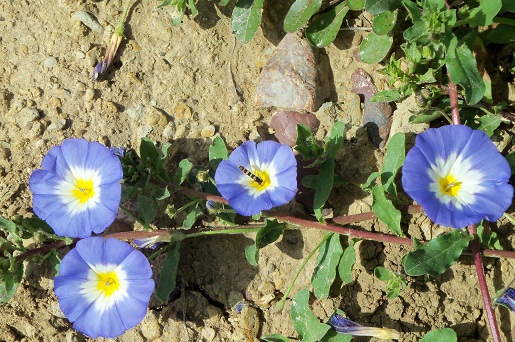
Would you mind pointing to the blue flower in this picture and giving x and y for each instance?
(507, 299)
(344, 325)
(458, 176)
(257, 177)
(78, 189)
(104, 286)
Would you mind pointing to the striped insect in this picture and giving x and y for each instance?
(251, 175)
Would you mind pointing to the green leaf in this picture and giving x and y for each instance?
(371, 178)
(166, 3)
(224, 2)
(374, 48)
(54, 260)
(192, 216)
(508, 6)
(511, 161)
(185, 167)
(436, 256)
(488, 123)
(488, 239)
(386, 211)
(392, 162)
(299, 14)
(178, 13)
(147, 209)
(323, 30)
(275, 338)
(334, 336)
(269, 233)
(463, 71)
(246, 18)
(389, 95)
(441, 335)
(325, 183)
(356, 5)
(335, 141)
(426, 116)
(193, 8)
(325, 266)
(217, 152)
(306, 144)
(347, 262)
(148, 151)
(35, 223)
(395, 282)
(484, 14)
(306, 324)
(380, 6)
(168, 274)
(11, 273)
(384, 22)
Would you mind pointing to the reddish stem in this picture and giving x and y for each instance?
(476, 251)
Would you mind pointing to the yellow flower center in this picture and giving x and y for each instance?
(261, 176)
(84, 190)
(107, 283)
(449, 185)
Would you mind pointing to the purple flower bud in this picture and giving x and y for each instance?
(118, 151)
(507, 299)
(344, 325)
(100, 68)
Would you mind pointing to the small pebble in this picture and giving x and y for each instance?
(27, 115)
(36, 130)
(181, 111)
(50, 62)
(57, 125)
(89, 94)
(89, 20)
(135, 112)
(80, 55)
(109, 107)
(169, 131)
(155, 117)
(208, 131)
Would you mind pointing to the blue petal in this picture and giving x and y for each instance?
(74, 265)
(493, 201)
(284, 160)
(116, 251)
(281, 195)
(342, 324)
(101, 159)
(267, 151)
(140, 290)
(244, 153)
(136, 265)
(94, 324)
(248, 205)
(75, 152)
(92, 250)
(49, 160)
(287, 178)
(226, 173)
(71, 303)
(131, 312)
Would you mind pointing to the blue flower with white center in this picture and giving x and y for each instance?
(507, 299)
(257, 177)
(78, 188)
(104, 286)
(344, 325)
(458, 176)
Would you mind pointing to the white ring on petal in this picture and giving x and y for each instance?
(245, 180)
(92, 294)
(462, 171)
(66, 187)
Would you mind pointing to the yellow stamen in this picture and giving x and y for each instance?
(84, 190)
(264, 177)
(449, 185)
(107, 283)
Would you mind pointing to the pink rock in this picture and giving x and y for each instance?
(289, 78)
(285, 125)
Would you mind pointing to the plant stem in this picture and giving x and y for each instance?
(132, 215)
(474, 244)
(281, 303)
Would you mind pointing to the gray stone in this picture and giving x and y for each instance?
(57, 125)
(50, 62)
(135, 112)
(27, 115)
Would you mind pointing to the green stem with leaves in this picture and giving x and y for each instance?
(281, 303)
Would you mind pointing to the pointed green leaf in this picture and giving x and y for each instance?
(374, 48)
(246, 18)
(488, 123)
(347, 262)
(484, 14)
(306, 144)
(392, 162)
(356, 5)
(395, 282)
(184, 170)
(168, 274)
(192, 216)
(425, 116)
(445, 334)
(325, 266)
(384, 22)
(389, 95)
(380, 6)
(436, 256)
(306, 324)
(323, 30)
(269, 233)
(325, 183)
(335, 141)
(299, 14)
(386, 211)
(217, 152)
(147, 209)
(275, 338)
(463, 71)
